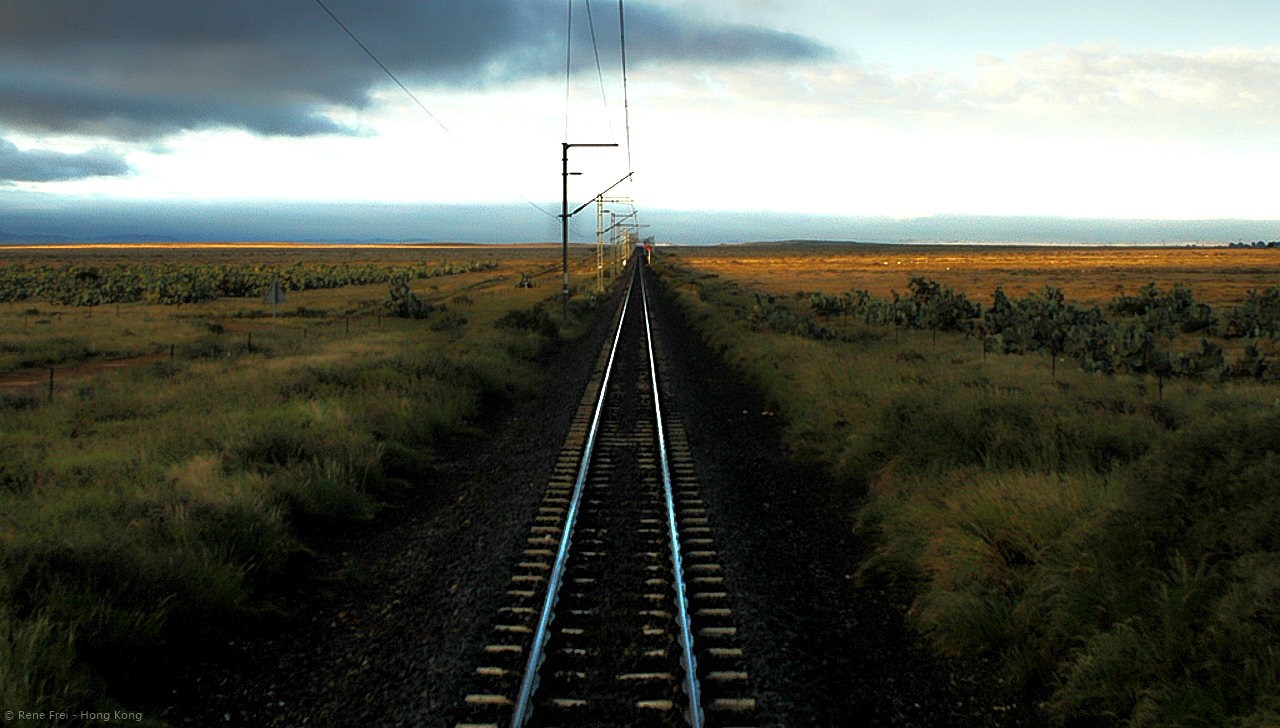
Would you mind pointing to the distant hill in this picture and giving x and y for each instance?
(7, 238)
(10, 238)
(20, 238)
(135, 239)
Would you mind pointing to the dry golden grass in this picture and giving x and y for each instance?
(1086, 274)
(114, 336)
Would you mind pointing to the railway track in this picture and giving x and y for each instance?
(617, 613)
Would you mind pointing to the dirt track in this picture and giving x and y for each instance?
(39, 379)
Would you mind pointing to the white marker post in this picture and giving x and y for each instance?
(274, 296)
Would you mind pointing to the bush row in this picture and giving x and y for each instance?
(1132, 334)
(177, 283)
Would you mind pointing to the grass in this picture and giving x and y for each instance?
(145, 501)
(1087, 274)
(1111, 548)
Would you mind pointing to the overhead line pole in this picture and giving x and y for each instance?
(565, 215)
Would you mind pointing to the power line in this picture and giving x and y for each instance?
(387, 71)
(626, 103)
(599, 72)
(421, 105)
(626, 106)
(568, 68)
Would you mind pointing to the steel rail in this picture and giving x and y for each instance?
(529, 683)
(692, 689)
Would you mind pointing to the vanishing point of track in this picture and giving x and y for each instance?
(618, 613)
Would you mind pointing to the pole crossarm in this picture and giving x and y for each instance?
(565, 214)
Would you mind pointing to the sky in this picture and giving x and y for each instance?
(761, 118)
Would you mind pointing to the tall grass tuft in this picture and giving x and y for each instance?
(38, 666)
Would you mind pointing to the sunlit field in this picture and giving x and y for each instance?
(1085, 274)
(36, 335)
(1075, 486)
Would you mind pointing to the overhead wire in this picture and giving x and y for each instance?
(599, 71)
(626, 108)
(626, 105)
(595, 46)
(568, 70)
(386, 70)
(568, 81)
(417, 101)
(568, 87)
(622, 36)
(568, 78)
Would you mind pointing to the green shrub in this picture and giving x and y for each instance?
(448, 321)
(319, 494)
(1209, 493)
(404, 303)
(536, 320)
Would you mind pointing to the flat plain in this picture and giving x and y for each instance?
(84, 340)
(1086, 274)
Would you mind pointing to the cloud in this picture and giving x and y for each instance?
(42, 165)
(656, 35)
(1227, 96)
(1118, 82)
(143, 69)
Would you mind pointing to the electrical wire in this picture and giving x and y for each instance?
(568, 79)
(599, 71)
(626, 109)
(386, 70)
(626, 105)
(568, 68)
(411, 95)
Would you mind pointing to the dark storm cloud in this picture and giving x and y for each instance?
(145, 68)
(655, 34)
(41, 165)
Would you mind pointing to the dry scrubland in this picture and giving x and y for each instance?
(1109, 545)
(189, 453)
(1086, 274)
